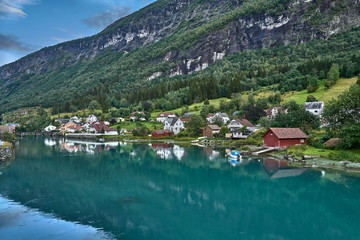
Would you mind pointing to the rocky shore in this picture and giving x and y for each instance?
(5, 154)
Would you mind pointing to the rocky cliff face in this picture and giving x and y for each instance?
(140, 29)
(291, 22)
(263, 31)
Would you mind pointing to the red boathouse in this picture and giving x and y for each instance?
(162, 133)
(284, 137)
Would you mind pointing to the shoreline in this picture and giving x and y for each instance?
(314, 162)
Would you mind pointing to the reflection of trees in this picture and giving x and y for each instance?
(130, 190)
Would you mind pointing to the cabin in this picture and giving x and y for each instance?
(284, 137)
(174, 125)
(161, 117)
(316, 108)
(103, 129)
(91, 118)
(210, 130)
(162, 133)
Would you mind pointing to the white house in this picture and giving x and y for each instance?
(236, 125)
(271, 113)
(135, 116)
(50, 128)
(91, 118)
(174, 125)
(212, 117)
(161, 117)
(316, 108)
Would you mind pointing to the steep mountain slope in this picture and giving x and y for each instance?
(167, 38)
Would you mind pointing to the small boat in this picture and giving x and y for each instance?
(234, 155)
(101, 140)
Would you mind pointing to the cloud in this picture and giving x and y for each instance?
(13, 8)
(10, 42)
(105, 18)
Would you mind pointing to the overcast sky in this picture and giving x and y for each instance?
(28, 25)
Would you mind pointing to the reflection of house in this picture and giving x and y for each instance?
(271, 113)
(174, 125)
(210, 130)
(284, 137)
(281, 169)
(315, 108)
(162, 133)
(168, 151)
(211, 118)
(211, 154)
(161, 117)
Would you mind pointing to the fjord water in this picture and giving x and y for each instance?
(57, 189)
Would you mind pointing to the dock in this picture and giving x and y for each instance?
(266, 150)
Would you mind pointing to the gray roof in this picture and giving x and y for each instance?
(314, 105)
(172, 121)
(187, 115)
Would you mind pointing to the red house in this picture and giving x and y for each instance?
(162, 133)
(284, 137)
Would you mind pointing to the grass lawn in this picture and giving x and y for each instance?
(299, 97)
(194, 108)
(340, 155)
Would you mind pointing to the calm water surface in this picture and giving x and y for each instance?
(55, 189)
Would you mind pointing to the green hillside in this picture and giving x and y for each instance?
(343, 84)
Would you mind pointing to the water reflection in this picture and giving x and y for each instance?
(20, 222)
(157, 191)
(281, 168)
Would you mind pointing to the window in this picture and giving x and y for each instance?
(302, 140)
(271, 134)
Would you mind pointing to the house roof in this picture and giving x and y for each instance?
(187, 115)
(133, 113)
(76, 127)
(98, 128)
(214, 127)
(161, 132)
(314, 105)
(172, 121)
(287, 133)
(244, 122)
(268, 111)
(166, 114)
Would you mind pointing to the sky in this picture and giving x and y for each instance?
(29, 25)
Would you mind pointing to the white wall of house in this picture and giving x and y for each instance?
(50, 128)
(176, 128)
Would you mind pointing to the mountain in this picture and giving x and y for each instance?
(166, 39)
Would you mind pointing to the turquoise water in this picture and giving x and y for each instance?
(76, 190)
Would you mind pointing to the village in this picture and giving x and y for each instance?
(218, 125)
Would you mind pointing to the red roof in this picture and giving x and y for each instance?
(98, 128)
(165, 114)
(76, 127)
(244, 122)
(210, 115)
(133, 113)
(287, 133)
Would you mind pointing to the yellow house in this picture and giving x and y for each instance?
(64, 127)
